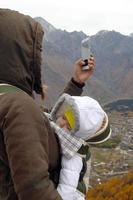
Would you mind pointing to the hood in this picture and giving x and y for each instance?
(20, 51)
(91, 122)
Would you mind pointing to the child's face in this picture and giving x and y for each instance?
(63, 123)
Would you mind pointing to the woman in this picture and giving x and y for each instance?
(29, 148)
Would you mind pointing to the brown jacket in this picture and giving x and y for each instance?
(20, 52)
(29, 149)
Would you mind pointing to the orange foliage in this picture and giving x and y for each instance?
(114, 189)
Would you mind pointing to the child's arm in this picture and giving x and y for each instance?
(69, 177)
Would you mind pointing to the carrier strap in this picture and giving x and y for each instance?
(4, 88)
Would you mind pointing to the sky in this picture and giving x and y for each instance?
(89, 16)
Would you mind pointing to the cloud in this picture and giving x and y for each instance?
(90, 16)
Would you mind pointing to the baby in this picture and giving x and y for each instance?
(82, 121)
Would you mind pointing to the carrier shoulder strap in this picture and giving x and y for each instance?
(4, 88)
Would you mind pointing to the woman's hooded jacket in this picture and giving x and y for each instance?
(29, 149)
(20, 52)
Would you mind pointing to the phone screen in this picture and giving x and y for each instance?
(86, 48)
(86, 51)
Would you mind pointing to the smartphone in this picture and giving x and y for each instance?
(86, 52)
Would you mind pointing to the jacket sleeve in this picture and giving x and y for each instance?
(27, 150)
(69, 177)
(73, 88)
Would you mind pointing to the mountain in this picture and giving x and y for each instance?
(47, 27)
(121, 105)
(114, 61)
(113, 52)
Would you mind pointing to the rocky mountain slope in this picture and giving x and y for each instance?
(113, 52)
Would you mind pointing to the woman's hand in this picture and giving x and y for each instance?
(80, 75)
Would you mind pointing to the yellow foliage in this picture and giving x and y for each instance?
(114, 189)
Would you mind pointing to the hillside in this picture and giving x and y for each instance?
(115, 156)
(120, 105)
(113, 189)
(113, 52)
